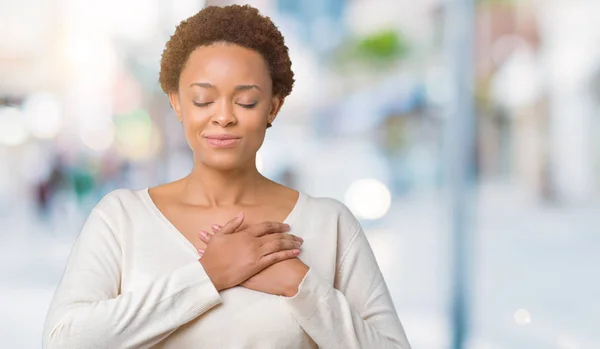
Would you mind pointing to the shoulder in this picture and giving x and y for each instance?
(109, 216)
(331, 209)
(120, 202)
(334, 220)
(118, 197)
(330, 205)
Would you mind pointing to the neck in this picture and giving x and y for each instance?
(211, 187)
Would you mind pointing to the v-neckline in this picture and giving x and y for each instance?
(145, 194)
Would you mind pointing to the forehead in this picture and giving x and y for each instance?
(225, 64)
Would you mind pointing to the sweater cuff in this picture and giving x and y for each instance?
(311, 291)
(199, 288)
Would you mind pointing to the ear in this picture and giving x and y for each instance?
(276, 104)
(176, 104)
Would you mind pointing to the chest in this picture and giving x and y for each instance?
(245, 318)
(188, 221)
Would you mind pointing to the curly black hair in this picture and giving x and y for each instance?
(241, 25)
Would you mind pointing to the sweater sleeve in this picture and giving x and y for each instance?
(357, 312)
(89, 311)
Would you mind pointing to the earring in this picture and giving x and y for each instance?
(269, 124)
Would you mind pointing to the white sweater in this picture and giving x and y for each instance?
(133, 281)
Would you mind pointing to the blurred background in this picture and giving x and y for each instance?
(476, 176)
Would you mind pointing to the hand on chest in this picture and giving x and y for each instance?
(190, 222)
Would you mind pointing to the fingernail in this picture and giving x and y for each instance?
(203, 233)
(286, 226)
(300, 239)
(240, 215)
(215, 227)
(296, 251)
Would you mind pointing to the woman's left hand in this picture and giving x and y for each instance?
(280, 279)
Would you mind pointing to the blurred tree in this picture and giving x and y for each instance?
(378, 50)
(383, 46)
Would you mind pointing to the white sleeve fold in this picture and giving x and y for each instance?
(88, 310)
(357, 313)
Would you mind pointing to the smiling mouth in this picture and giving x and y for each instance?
(222, 143)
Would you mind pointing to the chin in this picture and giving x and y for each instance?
(223, 162)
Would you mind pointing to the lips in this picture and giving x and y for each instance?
(222, 140)
(222, 137)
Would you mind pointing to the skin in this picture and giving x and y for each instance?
(227, 89)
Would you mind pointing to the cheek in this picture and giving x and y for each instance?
(256, 128)
(254, 125)
(194, 115)
(256, 119)
(193, 122)
(194, 119)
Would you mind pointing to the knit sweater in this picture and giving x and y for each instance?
(133, 281)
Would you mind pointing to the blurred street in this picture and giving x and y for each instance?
(392, 99)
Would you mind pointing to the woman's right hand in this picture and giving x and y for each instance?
(235, 254)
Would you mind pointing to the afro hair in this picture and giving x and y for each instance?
(235, 24)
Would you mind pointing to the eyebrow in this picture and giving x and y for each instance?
(237, 88)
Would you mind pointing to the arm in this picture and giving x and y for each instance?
(357, 312)
(89, 311)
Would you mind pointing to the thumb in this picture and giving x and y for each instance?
(233, 225)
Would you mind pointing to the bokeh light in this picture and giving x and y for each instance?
(12, 128)
(259, 162)
(522, 317)
(567, 342)
(368, 198)
(136, 138)
(43, 115)
(100, 137)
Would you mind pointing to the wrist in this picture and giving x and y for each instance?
(218, 285)
(294, 287)
(291, 290)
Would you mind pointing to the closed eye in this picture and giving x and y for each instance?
(247, 106)
(197, 104)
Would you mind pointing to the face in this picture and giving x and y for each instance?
(224, 102)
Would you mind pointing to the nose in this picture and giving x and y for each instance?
(224, 115)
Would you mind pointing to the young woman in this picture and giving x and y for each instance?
(223, 258)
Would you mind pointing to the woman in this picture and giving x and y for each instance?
(146, 272)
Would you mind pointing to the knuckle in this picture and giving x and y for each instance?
(281, 244)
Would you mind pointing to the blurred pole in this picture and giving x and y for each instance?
(460, 30)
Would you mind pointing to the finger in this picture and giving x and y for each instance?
(200, 252)
(204, 236)
(278, 236)
(278, 245)
(270, 259)
(233, 225)
(265, 228)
